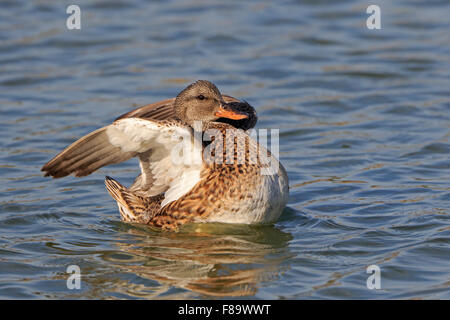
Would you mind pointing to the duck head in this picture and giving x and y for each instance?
(202, 101)
(245, 123)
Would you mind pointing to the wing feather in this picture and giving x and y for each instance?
(85, 155)
(118, 142)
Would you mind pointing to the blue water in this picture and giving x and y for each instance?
(364, 119)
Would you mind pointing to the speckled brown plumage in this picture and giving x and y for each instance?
(219, 188)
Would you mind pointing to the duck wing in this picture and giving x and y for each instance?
(155, 141)
(160, 110)
(118, 142)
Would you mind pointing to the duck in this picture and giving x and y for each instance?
(198, 162)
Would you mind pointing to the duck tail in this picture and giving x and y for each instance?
(132, 207)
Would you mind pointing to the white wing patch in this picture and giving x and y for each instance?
(182, 185)
(171, 175)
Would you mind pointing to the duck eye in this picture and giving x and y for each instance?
(201, 97)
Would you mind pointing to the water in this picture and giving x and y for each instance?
(364, 135)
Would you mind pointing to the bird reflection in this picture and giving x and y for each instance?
(210, 260)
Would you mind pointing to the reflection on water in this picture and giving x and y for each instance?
(213, 260)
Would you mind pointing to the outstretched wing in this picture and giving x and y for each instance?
(126, 138)
(118, 142)
(160, 110)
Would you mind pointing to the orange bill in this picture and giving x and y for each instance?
(230, 114)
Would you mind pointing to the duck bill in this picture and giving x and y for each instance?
(230, 114)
